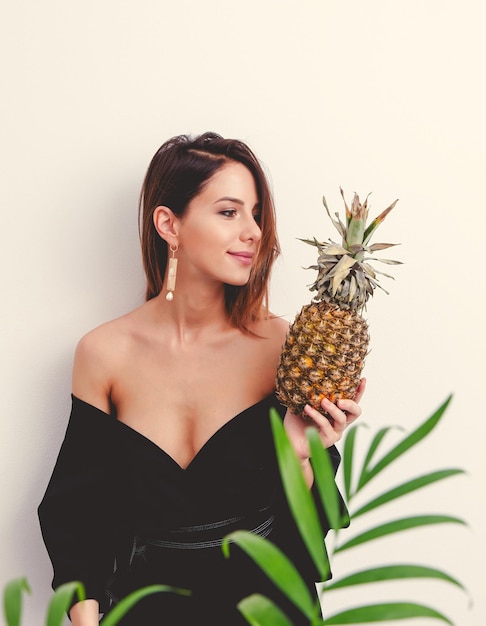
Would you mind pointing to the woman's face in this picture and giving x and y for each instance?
(219, 233)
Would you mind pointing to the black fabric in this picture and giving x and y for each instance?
(112, 489)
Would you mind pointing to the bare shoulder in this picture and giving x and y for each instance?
(276, 326)
(274, 329)
(97, 358)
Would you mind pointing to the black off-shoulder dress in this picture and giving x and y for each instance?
(119, 513)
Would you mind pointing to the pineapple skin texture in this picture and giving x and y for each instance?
(323, 356)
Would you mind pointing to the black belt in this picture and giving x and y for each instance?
(202, 536)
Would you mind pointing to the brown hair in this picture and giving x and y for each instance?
(177, 173)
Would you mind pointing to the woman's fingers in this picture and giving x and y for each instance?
(337, 414)
(360, 391)
(338, 417)
(351, 410)
(332, 425)
(330, 428)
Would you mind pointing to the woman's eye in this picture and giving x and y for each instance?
(228, 212)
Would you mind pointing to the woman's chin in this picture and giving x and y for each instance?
(239, 283)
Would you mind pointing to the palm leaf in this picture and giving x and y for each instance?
(411, 440)
(324, 479)
(12, 600)
(299, 497)
(276, 566)
(260, 611)
(61, 602)
(383, 612)
(348, 460)
(391, 572)
(377, 439)
(121, 609)
(399, 525)
(405, 488)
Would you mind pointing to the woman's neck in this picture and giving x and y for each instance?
(194, 314)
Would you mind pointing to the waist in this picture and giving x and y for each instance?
(203, 536)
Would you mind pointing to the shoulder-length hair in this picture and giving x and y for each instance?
(177, 173)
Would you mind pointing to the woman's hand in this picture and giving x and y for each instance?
(85, 613)
(330, 428)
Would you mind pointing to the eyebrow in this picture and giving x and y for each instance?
(230, 199)
(236, 201)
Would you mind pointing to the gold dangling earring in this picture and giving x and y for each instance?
(171, 274)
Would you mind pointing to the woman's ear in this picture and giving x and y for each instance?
(166, 224)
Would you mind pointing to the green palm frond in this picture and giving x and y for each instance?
(260, 611)
(297, 495)
(12, 600)
(121, 609)
(324, 478)
(62, 598)
(407, 487)
(375, 443)
(61, 602)
(348, 461)
(277, 567)
(406, 444)
(374, 613)
(391, 572)
(399, 525)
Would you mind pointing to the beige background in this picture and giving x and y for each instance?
(383, 96)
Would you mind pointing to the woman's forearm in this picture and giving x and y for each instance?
(85, 613)
(307, 471)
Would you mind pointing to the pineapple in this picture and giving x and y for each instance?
(327, 343)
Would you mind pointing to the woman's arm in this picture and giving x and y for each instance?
(76, 511)
(90, 383)
(331, 428)
(92, 366)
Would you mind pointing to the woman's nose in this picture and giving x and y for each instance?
(251, 230)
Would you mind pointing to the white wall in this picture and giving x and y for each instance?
(374, 95)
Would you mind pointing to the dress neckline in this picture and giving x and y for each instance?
(214, 437)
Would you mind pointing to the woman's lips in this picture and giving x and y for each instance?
(244, 257)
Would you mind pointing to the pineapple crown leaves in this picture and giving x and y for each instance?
(345, 278)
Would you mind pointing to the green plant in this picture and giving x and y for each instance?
(260, 611)
(62, 598)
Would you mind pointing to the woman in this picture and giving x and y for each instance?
(169, 448)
